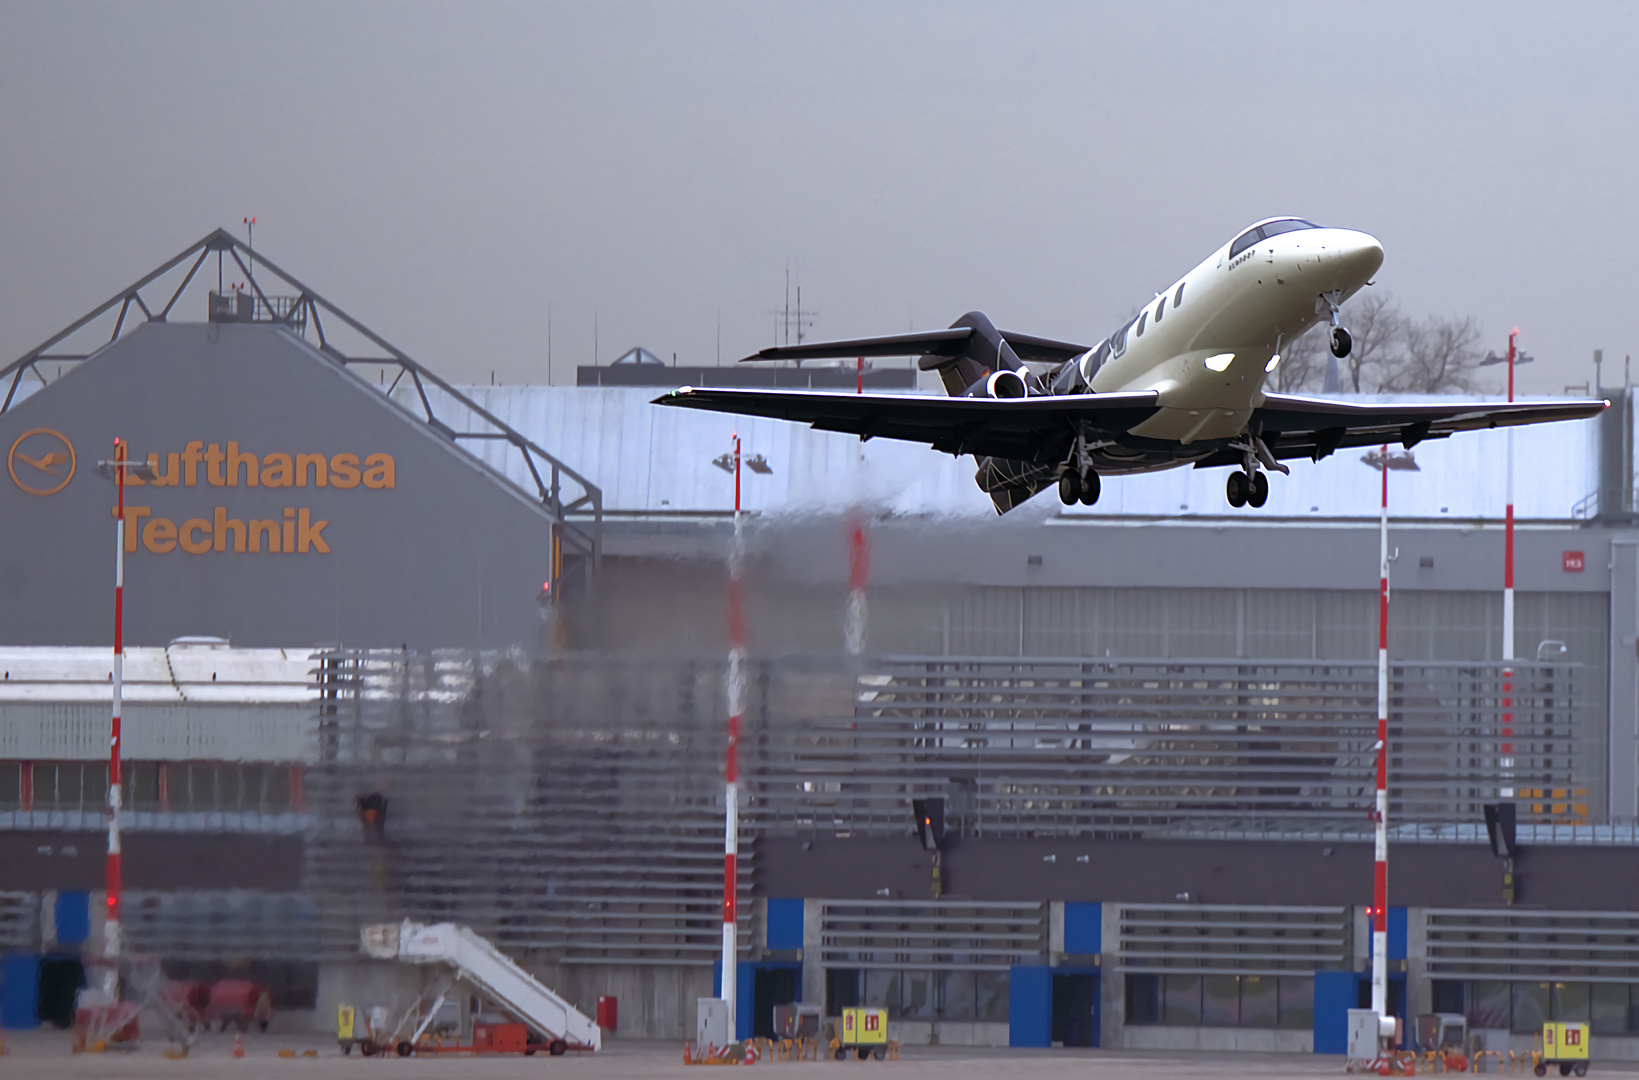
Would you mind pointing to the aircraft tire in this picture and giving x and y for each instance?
(1089, 488)
(1259, 493)
(1342, 342)
(1070, 488)
(1235, 489)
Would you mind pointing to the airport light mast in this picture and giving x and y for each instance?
(736, 683)
(1514, 357)
(1380, 869)
(113, 877)
(1383, 461)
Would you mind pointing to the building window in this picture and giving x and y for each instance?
(1250, 1001)
(11, 785)
(1143, 999)
(938, 995)
(1608, 1008)
(990, 996)
(1530, 1001)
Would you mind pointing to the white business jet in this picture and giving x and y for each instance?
(1181, 384)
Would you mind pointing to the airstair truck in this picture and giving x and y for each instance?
(486, 969)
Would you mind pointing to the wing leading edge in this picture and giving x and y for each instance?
(996, 427)
(1294, 426)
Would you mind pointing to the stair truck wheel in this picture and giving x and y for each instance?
(368, 1048)
(405, 1049)
(558, 1047)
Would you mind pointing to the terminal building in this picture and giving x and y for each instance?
(1145, 727)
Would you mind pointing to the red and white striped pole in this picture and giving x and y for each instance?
(1508, 594)
(111, 921)
(731, 764)
(1380, 876)
(859, 556)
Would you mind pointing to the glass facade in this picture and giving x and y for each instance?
(1253, 1001)
(1523, 1007)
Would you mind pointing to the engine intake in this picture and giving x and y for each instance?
(1005, 384)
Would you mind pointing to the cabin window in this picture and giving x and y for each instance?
(1142, 318)
(1178, 297)
(1160, 309)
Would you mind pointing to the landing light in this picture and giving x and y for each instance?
(1220, 361)
(1274, 362)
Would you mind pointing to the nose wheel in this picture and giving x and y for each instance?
(1342, 340)
(1079, 487)
(1247, 489)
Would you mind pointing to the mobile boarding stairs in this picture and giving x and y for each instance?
(486, 969)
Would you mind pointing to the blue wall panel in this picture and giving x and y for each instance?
(1335, 995)
(20, 992)
(1030, 1006)
(73, 912)
(785, 923)
(1083, 928)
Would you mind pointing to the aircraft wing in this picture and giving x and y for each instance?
(1295, 426)
(995, 427)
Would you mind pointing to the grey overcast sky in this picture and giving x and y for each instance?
(448, 172)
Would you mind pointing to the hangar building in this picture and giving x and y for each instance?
(1149, 722)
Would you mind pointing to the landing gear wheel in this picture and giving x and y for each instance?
(1069, 488)
(404, 1049)
(1342, 343)
(1089, 488)
(1237, 488)
(1259, 493)
(557, 1047)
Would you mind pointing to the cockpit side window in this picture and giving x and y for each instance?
(1275, 228)
(1160, 309)
(1178, 297)
(1264, 232)
(1142, 319)
(1244, 241)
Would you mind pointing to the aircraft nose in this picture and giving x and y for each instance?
(1359, 254)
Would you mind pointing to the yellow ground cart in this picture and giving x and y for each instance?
(1565, 1045)
(864, 1031)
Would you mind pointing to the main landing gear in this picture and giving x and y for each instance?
(1342, 340)
(1250, 486)
(1247, 489)
(1079, 482)
(1078, 487)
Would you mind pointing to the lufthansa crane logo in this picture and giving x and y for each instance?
(41, 461)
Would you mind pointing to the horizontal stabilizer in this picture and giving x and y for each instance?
(933, 346)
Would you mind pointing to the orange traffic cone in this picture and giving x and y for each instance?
(238, 1046)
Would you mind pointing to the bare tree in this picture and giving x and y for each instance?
(1392, 354)
(1379, 332)
(1302, 363)
(1437, 356)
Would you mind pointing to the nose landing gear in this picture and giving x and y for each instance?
(1342, 340)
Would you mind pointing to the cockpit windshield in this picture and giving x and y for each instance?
(1265, 231)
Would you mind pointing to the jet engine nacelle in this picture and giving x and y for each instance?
(1002, 384)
